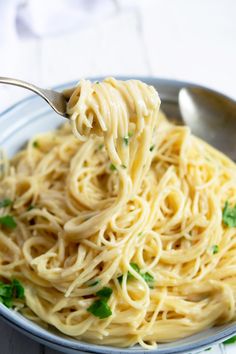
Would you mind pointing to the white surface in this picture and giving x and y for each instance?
(186, 40)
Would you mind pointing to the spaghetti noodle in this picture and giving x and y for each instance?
(119, 237)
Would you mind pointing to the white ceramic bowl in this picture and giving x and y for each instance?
(33, 115)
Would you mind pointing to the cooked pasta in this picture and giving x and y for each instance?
(122, 230)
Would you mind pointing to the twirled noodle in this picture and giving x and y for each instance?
(140, 215)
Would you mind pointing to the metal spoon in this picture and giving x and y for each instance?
(211, 116)
(55, 99)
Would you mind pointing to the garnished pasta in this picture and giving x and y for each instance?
(123, 230)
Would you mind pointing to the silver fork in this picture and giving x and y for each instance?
(55, 99)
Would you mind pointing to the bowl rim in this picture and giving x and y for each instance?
(58, 340)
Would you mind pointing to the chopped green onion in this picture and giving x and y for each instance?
(8, 221)
(229, 215)
(5, 202)
(100, 309)
(215, 249)
(112, 167)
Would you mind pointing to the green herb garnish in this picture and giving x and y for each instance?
(120, 278)
(8, 221)
(146, 276)
(104, 293)
(123, 166)
(152, 147)
(112, 167)
(5, 203)
(100, 146)
(94, 283)
(215, 249)
(126, 140)
(135, 267)
(30, 207)
(9, 292)
(229, 215)
(100, 308)
(18, 288)
(35, 144)
(149, 279)
(130, 134)
(230, 340)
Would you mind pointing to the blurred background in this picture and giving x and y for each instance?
(55, 41)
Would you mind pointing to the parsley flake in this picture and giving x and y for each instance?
(152, 148)
(123, 166)
(18, 288)
(149, 279)
(120, 278)
(126, 140)
(5, 202)
(215, 249)
(35, 144)
(229, 215)
(100, 308)
(104, 293)
(146, 276)
(94, 283)
(9, 292)
(135, 267)
(230, 340)
(8, 221)
(112, 167)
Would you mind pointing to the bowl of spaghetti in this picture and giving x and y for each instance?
(117, 227)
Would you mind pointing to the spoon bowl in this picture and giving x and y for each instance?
(211, 116)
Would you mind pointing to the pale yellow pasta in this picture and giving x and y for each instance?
(126, 187)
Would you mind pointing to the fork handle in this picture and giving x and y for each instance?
(53, 98)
